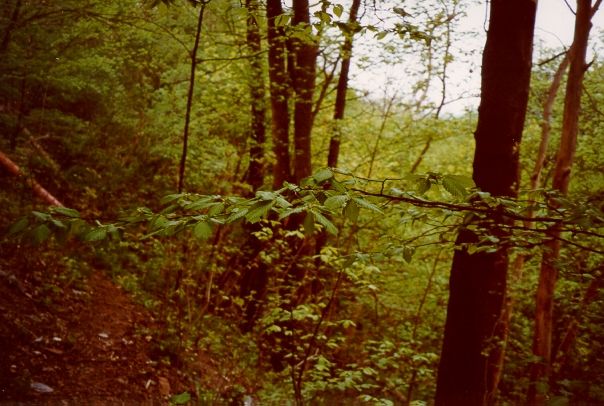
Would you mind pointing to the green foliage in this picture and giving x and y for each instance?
(101, 87)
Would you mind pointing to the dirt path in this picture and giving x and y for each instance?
(84, 343)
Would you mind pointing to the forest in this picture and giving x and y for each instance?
(201, 203)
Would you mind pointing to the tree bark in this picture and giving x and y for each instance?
(342, 89)
(304, 74)
(280, 91)
(478, 280)
(255, 173)
(548, 275)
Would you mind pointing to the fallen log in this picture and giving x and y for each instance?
(42, 193)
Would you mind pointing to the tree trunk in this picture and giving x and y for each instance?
(185, 137)
(478, 280)
(535, 181)
(280, 90)
(255, 174)
(10, 27)
(342, 89)
(304, 74)
(548, 275)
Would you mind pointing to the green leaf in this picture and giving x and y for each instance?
(236, 215)
(216, 209)
(462, 180)
(58, 223)
(97, 234)
(264, 195)
(170, 198)
(202, 230)
(326, 223)
(40, 233)
(366, 205)
(202, 203)
(290, 211)
(422, 185)
(78, 227)
(41, 216)
(258, 211)
(67, 212)
(282, 20)
(18, 226)
(338, 9)
(381, 35)
(158, 222)
(351, 211)
(180, 399)
(335, 202)
(453, 186)
(323, 175)
(281, 202)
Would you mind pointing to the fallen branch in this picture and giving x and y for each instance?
(42, 193)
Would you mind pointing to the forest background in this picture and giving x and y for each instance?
(210, 157)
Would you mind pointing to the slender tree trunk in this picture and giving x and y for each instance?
(518, 263)
(443, 80)
(546, 123)
(255, 174)
(185, 137)
(376, 145)
(342, 89)
(548, 275)
(478, 280)
(340, 106)
(280, 91)
(304, 74)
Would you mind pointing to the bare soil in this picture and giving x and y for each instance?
(83, 342)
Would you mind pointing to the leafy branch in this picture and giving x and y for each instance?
(322, 197)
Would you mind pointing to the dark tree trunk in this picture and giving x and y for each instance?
(304, 74)
(548, 275)
(334, 142)
(280, 91)
(255, 173)
(10, 27)
(185, 137)
(478, 280)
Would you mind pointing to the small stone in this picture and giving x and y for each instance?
(41, 388)
(103, 335)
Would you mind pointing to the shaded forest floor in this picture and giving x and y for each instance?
(80, 341)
